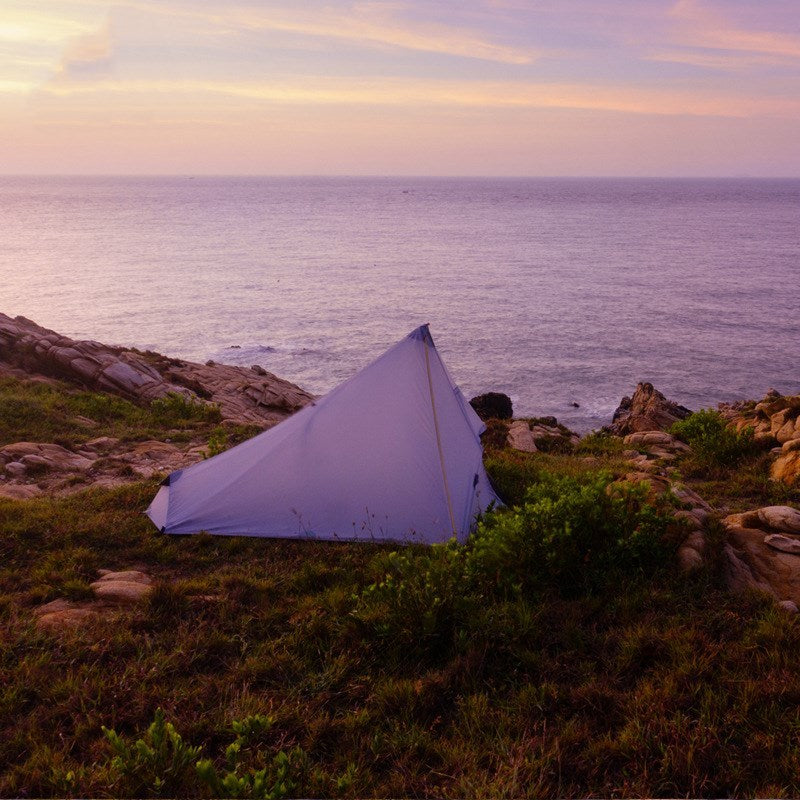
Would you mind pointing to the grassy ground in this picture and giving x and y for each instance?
(652, 685)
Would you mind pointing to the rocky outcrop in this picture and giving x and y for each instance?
(492, 405)
(544, 434)
(647, 410)
(659, 444)
(28, 469)
(247, 396)
(776, 418)
(763, 552)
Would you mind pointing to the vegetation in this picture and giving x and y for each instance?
(39, 412)
(714, 443)
(728, 468)
(558, 653)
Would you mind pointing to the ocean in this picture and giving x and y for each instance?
(563, 293)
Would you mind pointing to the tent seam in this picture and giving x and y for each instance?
(439, 440)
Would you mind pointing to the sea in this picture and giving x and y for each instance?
(562, 293)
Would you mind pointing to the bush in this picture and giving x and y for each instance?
(174, 407)
(420, 601)
(713, 441)
(572, 534)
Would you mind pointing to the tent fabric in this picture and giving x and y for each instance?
(392, 454)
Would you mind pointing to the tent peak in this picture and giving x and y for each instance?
(423, 332)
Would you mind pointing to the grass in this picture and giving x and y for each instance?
(660, 687)
(37, 412)
(274, 662)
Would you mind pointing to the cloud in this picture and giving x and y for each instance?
(374, 24)
(446, 94)
(87, 56)
(700, 26)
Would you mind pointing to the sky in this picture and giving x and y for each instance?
(405, 87)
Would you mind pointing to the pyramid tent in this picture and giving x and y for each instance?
(392, 454)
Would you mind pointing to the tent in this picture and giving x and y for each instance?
(392, 454)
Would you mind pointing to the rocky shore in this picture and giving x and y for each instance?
(761, 547)
(244, 396)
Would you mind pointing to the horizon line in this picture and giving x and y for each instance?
(383, 176)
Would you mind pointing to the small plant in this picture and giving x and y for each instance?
(420, 601)
(217, 443)
(175, 408)
(271, 782)
(600, 443)
(160, 763)
(713, 441)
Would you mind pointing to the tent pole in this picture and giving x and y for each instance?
(438, 439)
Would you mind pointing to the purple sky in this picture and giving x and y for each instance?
(502, 87)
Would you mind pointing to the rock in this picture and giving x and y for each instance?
(42, 454)
(16, 469)
(689, 559)
(755, 558)
(658, 439)
(780, 518)
(122, 592)
(61, 614)
(647, 410)
(242, 395)
(16, 491)
(689, 497)
(777, 541)
(102, 444)
(130, 576)
(492, 405)
(520, 437)
(122, 588)
(786, 468)
(788, 606)
(738, 574)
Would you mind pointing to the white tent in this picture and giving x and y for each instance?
(393, 454)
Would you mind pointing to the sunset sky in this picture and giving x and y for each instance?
(499, 87)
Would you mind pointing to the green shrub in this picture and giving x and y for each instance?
(161, 763)
(271, 782)
(713, 441)
(157, 764)
(571, 535)
(174, 407)
(574, 534)
(420, 601)
(600, 443)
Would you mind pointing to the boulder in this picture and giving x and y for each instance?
(520, 437)
(42, 455)
(786, 467)
(492, 405)
(780, 518)
(777, 541)
(757, 558)
(647, 410)
(62, 614)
